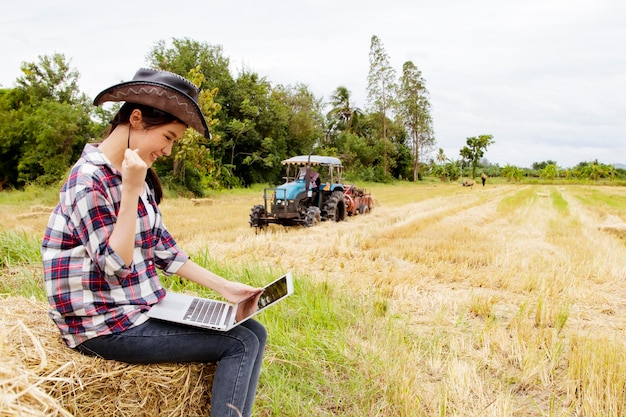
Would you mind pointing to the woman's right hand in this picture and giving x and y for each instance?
(133, 171)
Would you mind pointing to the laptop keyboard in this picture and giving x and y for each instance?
(205, 311)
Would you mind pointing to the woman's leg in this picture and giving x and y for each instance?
(239, 353)
(239, 373)
(258, 329)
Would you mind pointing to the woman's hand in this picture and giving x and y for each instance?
(248, 307)
(246, 296)
(236, 292)
(133, 170)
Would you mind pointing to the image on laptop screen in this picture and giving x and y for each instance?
(273, 292)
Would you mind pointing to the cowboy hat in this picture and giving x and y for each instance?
(162, 90)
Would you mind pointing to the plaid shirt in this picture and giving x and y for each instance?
(90, 289)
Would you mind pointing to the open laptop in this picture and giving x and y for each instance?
(214, 314)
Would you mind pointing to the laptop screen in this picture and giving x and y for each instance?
(271, 294)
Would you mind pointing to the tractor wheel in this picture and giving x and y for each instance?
(313, 216)
(336, 207)
(363, 209)
(256, 216)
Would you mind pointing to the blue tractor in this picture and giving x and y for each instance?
(312, 192)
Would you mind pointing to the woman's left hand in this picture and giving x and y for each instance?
(247, 297)
(236, 292)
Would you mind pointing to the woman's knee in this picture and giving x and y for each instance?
(258, 329)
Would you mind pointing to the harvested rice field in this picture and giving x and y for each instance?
(504, 300)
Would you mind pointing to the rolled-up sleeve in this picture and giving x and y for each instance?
(168, 256)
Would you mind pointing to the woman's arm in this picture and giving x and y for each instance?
(122, 239)
(234, 292)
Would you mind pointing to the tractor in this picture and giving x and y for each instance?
(308, 197)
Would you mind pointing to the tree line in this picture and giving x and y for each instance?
(45, 121)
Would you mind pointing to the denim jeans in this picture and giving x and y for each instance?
(238, 352)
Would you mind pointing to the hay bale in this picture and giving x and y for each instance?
(34, 215)
(38, 208)
(40, 376)
(36, 211)
(202, 201)
(617, 230)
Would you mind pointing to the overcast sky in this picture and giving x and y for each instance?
(546, 78)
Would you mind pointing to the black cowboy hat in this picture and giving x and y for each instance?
(164, 91)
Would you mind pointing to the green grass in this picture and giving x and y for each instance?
(559, 203)
(48, 196)
(525, 195)
(20, 265)
(611, 203)
(18, 249)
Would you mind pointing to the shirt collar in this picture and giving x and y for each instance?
(93, 155)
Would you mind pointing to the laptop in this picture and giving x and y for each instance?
(218, 315)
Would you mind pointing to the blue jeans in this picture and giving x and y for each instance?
(238, 352)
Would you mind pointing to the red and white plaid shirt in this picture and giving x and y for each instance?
(90, 289)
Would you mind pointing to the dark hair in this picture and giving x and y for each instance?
(151, 118)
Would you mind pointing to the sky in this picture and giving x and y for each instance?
(545, 78)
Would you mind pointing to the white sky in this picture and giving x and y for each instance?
(546, 78)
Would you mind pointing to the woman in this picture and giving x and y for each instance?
(106, 238)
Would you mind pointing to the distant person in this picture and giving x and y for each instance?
(483, 178)
(105, 240)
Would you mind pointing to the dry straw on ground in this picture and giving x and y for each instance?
(39, 376)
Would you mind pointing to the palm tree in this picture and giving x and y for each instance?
(342, 111)
(441, 157)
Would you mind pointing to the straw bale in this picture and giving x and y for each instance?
(38, 208)
(202, 201)
(40, 376)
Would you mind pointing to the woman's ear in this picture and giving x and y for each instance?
(136, 118)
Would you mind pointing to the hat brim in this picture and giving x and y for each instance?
(159, 96)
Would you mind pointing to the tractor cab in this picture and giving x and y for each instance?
(312, 174)
(305, 196)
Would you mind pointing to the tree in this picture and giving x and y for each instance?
(256, 125)
(193, 164)
(197, 163)
(475, 149)
(541, 165)
(441, 156)
(51, 79)
(380, 86)
(414, 111)
(549, 171)
(342, 113)
(182, 55)
(46, 122)
(593, 170)
(512, 173)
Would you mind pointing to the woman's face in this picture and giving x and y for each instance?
(157, 142)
